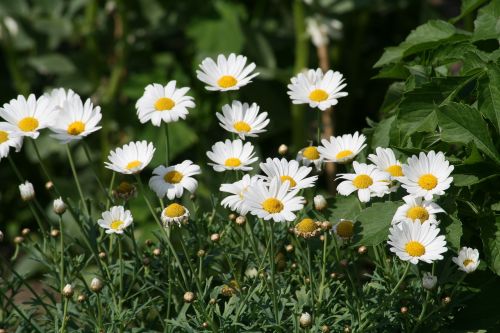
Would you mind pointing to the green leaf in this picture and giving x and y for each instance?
(452, 229)
(461, 123)
(490, 234)
(468, 6)
(375, 222)
(381, 133)
(345, 208)
(489, 98)
(52, 64)
(487, 24)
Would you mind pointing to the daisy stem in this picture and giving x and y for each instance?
(401, 279)
(167, 145)
(75, 175)
(319, 126)
(310, 273)
(61, 245)
(91, 162)
(44, 169)
(99, 312)
(120, 293)
(110, 191)
(271, 262)
(65, 314)
(16, 171)
(323, 268)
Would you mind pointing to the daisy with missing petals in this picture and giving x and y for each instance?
(274, 201)
(131, 158)
(227, 74)
(231, 155)
(289, 171)
(115, 220)
(416, 242)
(76, 120)
(344, 230)
(243, 119)
(317, 89)
(310, 155)
(9, 137)
(367, 180)
(171, 181)
(59, 96)
(385, 160)
(342, 149)
(427, 175)
(307, 228)
(417, 209)
(174, 213)
(163, 103)
(467, 260)
(30, 115)
(236, 201)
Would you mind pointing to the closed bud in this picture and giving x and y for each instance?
(59, 206)
(212, 301)
(215, 237)
(325, 225)
(232, 217)
(146, 261)
(18, 240)
(344, 263)
(49, 185)
(240, 220)
(96, 285)
(322, 238)
(149, 242)
(283, 149)
(25, 232)
(289, 248)
(294, 265)
(192, 196)
(27, 191)
(204, 325)
(3, 330)
(102, 255)
(68, 291)
(347, 329)
(404, 310)
(429, 281)
(81, 298)
(189, 296)
(319, 202)
(156, 252)
(305, 320)
(55, 233)
(125, 191)
(200, 253)
(1, 236)
(333, 275)
(447, 300)
(325, 329)
(362, 249)
(307, 280)
(251, 272)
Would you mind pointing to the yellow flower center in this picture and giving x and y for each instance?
(306, 225)
(242, 126)
(116, 224)
(76, 128)
(467, 262)
(311, 153)
(343, 154)
(415, 249)
(362, 181)
(173, 177)
(272, 205)
(395, 170)
(232, 162)
(227, 81)
(427, 181)
(418, 212)
(28, 124)
(164, 104)
(133, 165)
(293, 183)
(4, 136)
(175, 210)
(345, 229)
(318, 95)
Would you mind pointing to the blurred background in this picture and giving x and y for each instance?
(110, 50)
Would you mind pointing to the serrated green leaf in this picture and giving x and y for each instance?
(375, 222)
(452, 229)
(461, 123)
(489, 98)
(490, 234)
(345, 208)
(381, 133)
(487, 24)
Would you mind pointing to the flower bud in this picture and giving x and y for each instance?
(146, 261)
(192, 197)
(319, 202)
(125, 191)
(325, 225)
(282, 149)
(81, 298)
(293, 265)
(240, 220)
(96, 285)
(54, 233)
(18, 240)
(251, 272)
(49, 185)
(344, 263)
(305, 320)
(27, 191)
(212, 301)
(325, 329)
(362, 249)
(25, 232)
(322, 238)
(232, 217)
(149, 242)
(156, 252)
(189, 296)
(215, 237)
(429, 281)
(289, 248)
(307, 280)
(447, 300)
(333, 275)
(200, 253)
(1, 236)
(3, 330)
(204, 324)
(404, 310)
(68, 291)
(102, 255)
(347, 329)
(59, 206)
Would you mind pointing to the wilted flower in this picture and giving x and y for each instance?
(307, 228)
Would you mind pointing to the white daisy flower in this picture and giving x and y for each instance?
(416, 208)
(385, 160)
(131, 158)
(60, 95)
(416, 242)
(29, 115)
(231, 155)
(9, 137)
(289, 171)
(236, 201)
(243, 119)
(76, 120)
(273, 201)
(317, 89)
(174, 213)
(366, 179)
(227, 74)
(467, 260)
(171, 181)
(342, 149)
(115, 220)
(310, 155)
(163, 103)
(427, 175)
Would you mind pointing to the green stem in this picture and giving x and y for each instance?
(120, 293)
(65, 314)
(310, 273)
(75, 176)
(273, 282)
(323, 269)
(110, 191)
(96, 176)
(401, 279)
(61, 245)
(99, 312)
(44, 169)
(21, 312)
(167, 145)
(318, 112)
